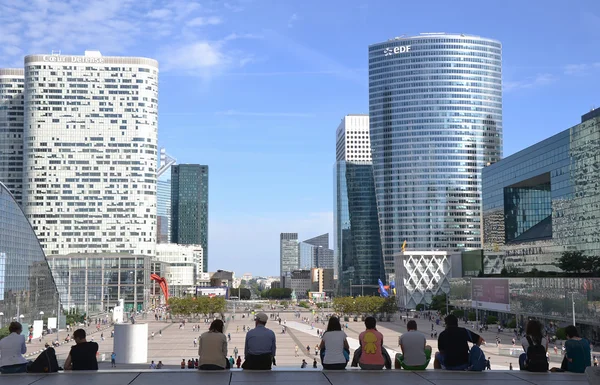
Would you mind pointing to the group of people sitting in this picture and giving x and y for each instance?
(82, 355)
(260, 349)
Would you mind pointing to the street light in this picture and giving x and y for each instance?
(350, 288)
(41, 313)
(1, 315)
(573, 304)
(362, 287)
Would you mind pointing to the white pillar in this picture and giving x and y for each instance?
(131, 343)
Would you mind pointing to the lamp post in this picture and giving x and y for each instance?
(362, 287)
(573, 304)
(350, 288)
(1, 315)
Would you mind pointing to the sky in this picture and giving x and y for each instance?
(256, 88)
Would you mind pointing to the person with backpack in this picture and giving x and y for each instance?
(535, 346)
(454, 349)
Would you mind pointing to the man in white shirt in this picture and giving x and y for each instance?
(416, 354)
(12, 348)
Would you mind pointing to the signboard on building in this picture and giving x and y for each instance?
(490, 294)
(212, 291)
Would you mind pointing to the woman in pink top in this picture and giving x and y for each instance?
(371, 343)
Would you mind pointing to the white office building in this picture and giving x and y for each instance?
(90, 152)
(183, 265)
(12, 84)
(353, 142)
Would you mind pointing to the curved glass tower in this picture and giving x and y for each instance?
(435, 105)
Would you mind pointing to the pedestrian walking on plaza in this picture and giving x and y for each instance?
(229, 337)
(160, 333)
(231, 361)
(237, 329)
(102, 336)
(315, 363)
(260, 346)
(195, 342)
(296, 349)
(235, 352)
(308, 349)
(113, 360)
(238, 363)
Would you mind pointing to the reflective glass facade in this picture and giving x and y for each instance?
(435, 106)
(357, 241)
(93, 283)
(545, 200)
(12, 85)
(315, 253)
(163, 209)
(26, 284)
(547, 299)
(189, 207)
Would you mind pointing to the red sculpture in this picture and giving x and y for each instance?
(162, 282)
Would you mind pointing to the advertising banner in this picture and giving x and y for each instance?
(51, 322)
(38, 327)
(490, 294)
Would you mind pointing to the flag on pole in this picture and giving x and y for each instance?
(404, 246)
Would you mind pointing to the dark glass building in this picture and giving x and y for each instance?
(435, 107)
(315, 253)
(189, 207)
(544, 200)
(26, 284)
(358, 256)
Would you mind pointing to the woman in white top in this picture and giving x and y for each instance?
(12, 348)
(335, 351)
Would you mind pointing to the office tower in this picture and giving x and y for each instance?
(289, 258)
(183, 266)
(435, 106)
(315, 253)
(26, 284)
(163, 197)
(358, 256)
(12, 84)
(189, 207)
(90, 147)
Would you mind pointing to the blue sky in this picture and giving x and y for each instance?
(256, 88)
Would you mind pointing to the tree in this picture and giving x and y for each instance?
(572, 262)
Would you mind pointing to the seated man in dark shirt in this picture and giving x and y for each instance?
(83, 355)
(453, 346)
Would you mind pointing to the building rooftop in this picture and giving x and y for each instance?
(294, 376)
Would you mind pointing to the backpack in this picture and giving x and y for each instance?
(45, 363)
(536, 360)
(477, 360)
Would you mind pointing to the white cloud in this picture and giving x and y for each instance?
(200, 21)
(580, 69)
(196, 55)
(292, 19)
(266, 114)
(535, 81)
(159, 13)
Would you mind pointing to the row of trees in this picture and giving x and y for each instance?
(579, 263)
(364, 305)
(196, 306)
(277, 293)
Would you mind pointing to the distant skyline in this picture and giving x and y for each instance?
(256, 88)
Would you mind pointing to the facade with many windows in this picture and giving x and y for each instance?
(544, 200)
(358, 257)
(12, 85)
(189, 207)
(90, 153)
(289, 257)
(435, 106)
(26, 284)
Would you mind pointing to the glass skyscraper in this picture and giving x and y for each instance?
(289, 256)
(315, 253)
(189, 207)
(358, 256)
(26, 283)
(435, 104)
(12, 85)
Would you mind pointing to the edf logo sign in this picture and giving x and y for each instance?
(396, 50)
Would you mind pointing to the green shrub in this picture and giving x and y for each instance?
(303, 304)
(4, 332)
(561, 334)
(492, 320)
(472, 316)
(458, 313)
(512, 323)
(420, 307)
